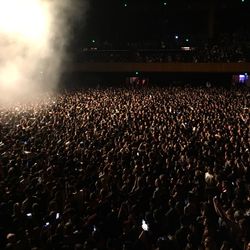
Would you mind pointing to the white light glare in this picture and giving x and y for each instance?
(26, 19)
(144, 225)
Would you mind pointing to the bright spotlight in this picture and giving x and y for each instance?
(33, 35)
(24, 19)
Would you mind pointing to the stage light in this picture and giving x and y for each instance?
(33, 35)
(137, 73)
(26, 19)
(176, 37)
(93, 41)
(125, 5)
(165, 3)
(187, 40)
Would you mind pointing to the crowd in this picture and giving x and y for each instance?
(217, 53)
(121, 169)
(225, 48)
(205, 54)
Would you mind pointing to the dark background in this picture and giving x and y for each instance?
(119, 22)
(150, 20)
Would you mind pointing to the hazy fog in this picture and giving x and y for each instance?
(33, 34)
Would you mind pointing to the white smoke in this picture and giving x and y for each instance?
(33, 35)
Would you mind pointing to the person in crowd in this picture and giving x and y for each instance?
(116, 169)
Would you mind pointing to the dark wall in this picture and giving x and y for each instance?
(111, 20)
(93, 80)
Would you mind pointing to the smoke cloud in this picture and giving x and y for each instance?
(33, 36)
